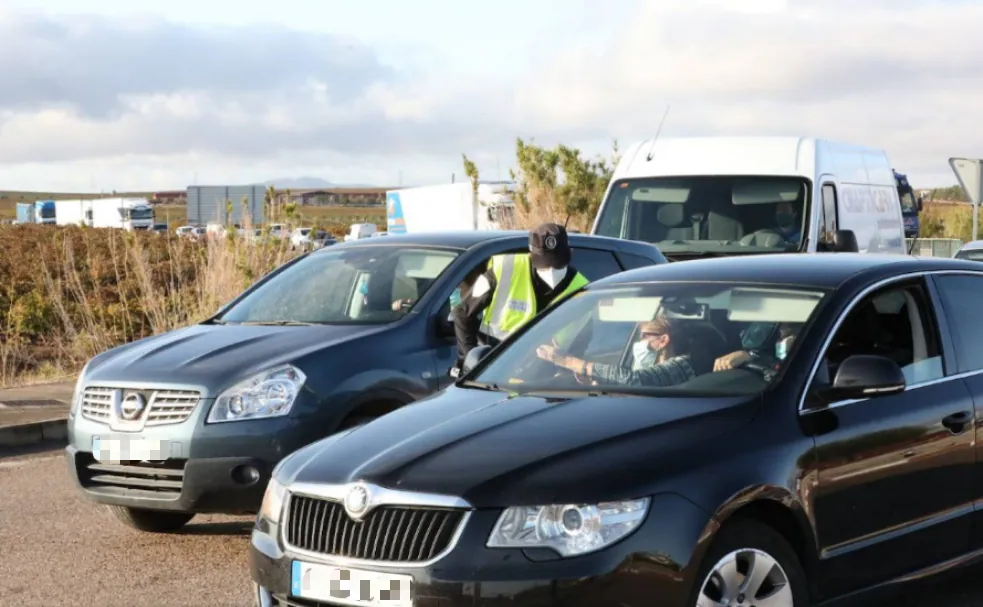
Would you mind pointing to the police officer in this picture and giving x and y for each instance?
(514, 288)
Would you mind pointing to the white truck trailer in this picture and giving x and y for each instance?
(450, 207)
(73, 212)
(124, 213)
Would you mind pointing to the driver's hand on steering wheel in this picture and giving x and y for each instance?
(731, 361)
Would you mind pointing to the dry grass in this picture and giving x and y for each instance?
(74, 292)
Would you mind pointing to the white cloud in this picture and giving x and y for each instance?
(250, 103)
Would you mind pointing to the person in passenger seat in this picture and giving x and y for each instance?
(786, 335)
(671, 365)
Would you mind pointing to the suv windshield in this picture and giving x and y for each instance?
(660, 338)
(355, 285)
(708, 214)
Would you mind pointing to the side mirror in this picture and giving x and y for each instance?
(865, 376)
(919, 203)
(473, 358)
(844, 241)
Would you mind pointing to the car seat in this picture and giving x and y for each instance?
(672, 223)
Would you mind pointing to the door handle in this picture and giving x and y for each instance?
(957, 422)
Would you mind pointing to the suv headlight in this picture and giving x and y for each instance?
(570, 529)
(268, 394)
(273, 501)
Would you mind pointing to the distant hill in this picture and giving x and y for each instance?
(311, 183)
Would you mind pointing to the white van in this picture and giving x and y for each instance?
(702, 196)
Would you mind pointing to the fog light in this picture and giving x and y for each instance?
(245, 475)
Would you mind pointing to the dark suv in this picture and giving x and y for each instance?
(193, 421)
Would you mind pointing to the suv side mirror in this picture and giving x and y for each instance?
(865, 376)
(473, 358)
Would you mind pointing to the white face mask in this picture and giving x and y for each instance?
(552, 276)
(642, 354)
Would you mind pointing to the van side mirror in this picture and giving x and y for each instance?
(473, 358)
(844, 241)
(865, 376)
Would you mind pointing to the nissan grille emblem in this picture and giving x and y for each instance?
(357, 501)
(132, 406)
(550, 242)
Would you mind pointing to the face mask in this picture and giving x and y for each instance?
(642, 355)
(784, 220)
(552, 276)
(455, 298)
(782, 348)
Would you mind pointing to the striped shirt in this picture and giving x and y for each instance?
(670, 372)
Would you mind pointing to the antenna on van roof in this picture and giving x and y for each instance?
(659, 130)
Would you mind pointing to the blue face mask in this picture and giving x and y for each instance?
(364, 288)
(784, 220)
(455, 297)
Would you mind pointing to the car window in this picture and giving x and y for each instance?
(895, 322)
(674, 330)
(970, 254)
(960, 299)
(631, 261)
(594, 264)
(355, 285)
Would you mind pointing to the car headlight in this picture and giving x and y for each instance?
(77, 391)
(273, 501)
(570, 529)
(268, 394)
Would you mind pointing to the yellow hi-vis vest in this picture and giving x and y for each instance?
(514, 301)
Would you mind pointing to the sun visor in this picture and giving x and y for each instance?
(766, 192)
(661, 194)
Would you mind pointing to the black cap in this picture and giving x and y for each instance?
(549, 247)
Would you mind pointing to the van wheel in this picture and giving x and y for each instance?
(751, 565)
(153, 521)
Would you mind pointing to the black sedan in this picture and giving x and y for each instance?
(773, 431)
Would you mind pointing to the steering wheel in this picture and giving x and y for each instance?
(766, 233)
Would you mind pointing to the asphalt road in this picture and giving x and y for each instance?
(58, 549)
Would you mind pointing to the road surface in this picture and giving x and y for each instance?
(58, 549)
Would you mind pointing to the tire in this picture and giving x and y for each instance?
(153, 521)
(744, 543)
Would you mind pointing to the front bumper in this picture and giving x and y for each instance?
(627, 574)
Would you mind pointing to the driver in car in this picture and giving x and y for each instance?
(786, 224)
(786, 335)
(670, 366)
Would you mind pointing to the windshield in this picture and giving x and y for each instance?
(908, 206)
(706, 214)
(970, 254)
(47, 211)
(659, 338)
(361, 285)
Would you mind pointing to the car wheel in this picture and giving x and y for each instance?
(154, 521)
(750, 565)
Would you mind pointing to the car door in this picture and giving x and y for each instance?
(959, 294)
(894, 473)
(593, 263)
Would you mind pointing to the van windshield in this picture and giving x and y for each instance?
(701, 214)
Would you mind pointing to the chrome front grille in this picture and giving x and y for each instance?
(396, 534)
(164, 406)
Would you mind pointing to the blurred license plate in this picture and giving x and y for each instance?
(123, 449)
(342, 585)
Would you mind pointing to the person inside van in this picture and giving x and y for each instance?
(787, 222)
(671, 365)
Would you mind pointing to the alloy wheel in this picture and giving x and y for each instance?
(746, 578)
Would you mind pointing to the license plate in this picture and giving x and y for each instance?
(347, 586)
(122, 449)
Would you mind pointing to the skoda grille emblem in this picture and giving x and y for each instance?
(550, 242)
(132, 406)
(357, 501)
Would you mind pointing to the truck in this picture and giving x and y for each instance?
(124, 213)
(41, 212)
(714, 196)
(73, 212)
(911, 205)
(451, 207)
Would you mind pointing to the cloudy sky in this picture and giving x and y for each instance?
(134, 94)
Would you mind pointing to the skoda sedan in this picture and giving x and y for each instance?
(773, 431)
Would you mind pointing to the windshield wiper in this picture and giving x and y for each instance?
(280, 323)
(482, 386)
